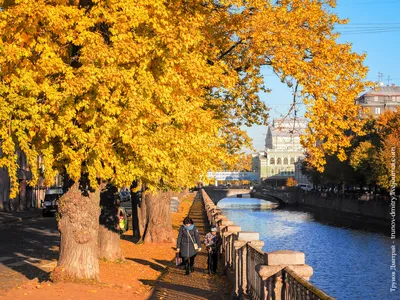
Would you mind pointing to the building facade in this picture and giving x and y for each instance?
(27, 197)
(380, 99)
(282, 150)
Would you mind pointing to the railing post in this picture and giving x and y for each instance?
(271, 271)
(215, 213)
(257, 244)
(219, 218)
(247, 237)
(239, 270)
(227, 240)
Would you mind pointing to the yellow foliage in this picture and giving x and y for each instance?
(291, 182)
(159, 90)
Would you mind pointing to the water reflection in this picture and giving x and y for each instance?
(347, 263)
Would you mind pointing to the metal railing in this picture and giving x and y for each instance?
(254, 281)
(295, 287)
(246, 259)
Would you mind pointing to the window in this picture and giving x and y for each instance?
(377, 110)
(279, 162)
(285, 161)
(376, 98)
(292, 161)
(272, 161)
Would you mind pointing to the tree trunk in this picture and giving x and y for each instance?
(22, 195)
(136, 200)
(109, 244)
(109, 241)
(142, 217)
(158, 226)
(78, 225)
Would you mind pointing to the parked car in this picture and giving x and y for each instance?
(304, 186)
(123, 217)
(50, 203)
(125, 195)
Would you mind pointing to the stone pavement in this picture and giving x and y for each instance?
(28, 250)
(174, 284)
(6, 217)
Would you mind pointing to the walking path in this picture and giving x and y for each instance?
(174, 284)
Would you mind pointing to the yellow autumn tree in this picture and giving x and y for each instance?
(113, 91)
(378, 156)
(291, 182)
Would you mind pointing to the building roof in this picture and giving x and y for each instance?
(288, 127)
(383, 91)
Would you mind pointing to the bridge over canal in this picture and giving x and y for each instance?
(217, 194)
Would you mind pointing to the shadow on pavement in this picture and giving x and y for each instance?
(186, 292)
(28, 248)
(152, 265)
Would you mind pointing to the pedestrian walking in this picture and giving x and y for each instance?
(188, 244)
(213, 242)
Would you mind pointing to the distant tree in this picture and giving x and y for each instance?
(291, 182)
(243, 162)
(377, 155)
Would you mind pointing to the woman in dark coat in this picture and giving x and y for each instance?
(185, 244)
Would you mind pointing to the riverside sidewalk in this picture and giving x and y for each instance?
(174, 284)
(15, 216)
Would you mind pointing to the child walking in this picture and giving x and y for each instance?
(213, 242)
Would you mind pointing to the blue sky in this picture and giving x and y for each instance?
(374, 29)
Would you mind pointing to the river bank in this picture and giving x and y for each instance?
(345, 260)
(343, 209)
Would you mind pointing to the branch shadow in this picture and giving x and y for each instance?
(26, 247)
(152, 265)
(178, 290)
(130, 238)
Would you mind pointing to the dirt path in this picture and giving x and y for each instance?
(174, 284)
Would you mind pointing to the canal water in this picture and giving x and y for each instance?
(347, 263)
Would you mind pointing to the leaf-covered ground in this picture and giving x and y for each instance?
(133, 278)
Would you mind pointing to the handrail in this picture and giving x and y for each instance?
(253, 273)
(255, 249)
(254, 280)
(307, 285)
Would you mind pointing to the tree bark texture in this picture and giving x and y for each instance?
(109, 240)
(142, 216)
(156, 217)
(79, 225)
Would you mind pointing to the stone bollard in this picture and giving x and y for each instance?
(271, 271)
(227, 240)
(257, 244)
(241, 271)
(219, 219)
(209, 210)
(239, 266)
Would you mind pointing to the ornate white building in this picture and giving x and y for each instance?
(282, 150)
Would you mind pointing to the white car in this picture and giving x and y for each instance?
(304, 186)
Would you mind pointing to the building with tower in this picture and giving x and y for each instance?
(282, 151)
